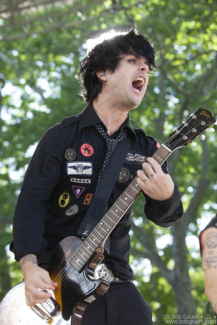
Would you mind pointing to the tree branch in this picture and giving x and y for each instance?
(156, 260)
(151, 252)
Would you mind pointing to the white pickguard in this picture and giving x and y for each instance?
(14, 310)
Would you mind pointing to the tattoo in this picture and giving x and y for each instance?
(210, 262)
(152, 175)
(211, 240)
(28, 298)
(211, 252)
(30, 257)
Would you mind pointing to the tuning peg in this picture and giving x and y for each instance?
(212, 130)
(202, 137)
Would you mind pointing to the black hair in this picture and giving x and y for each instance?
(106, 56)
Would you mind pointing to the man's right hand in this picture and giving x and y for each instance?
(35, 278)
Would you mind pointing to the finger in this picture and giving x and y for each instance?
(44, 285)
(142, 176)
(35, 296)
(40, 283)
(47, 281)
(155, 165)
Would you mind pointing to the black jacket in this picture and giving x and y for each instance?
(61, 180)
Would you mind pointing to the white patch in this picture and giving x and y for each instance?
(80, 180)
(136, 157)
(79, 168)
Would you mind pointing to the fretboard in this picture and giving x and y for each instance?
(112, 217)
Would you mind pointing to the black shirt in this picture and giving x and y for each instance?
(61, 180)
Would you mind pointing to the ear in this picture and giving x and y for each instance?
(101, 75)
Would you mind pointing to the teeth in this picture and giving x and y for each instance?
(139, 79)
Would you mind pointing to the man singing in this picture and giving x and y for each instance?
(67, 168)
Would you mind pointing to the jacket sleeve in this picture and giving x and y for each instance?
(41, 177)
(164, 213)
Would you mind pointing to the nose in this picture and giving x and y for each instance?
(143, 66)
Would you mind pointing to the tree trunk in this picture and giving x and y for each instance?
(182, 283)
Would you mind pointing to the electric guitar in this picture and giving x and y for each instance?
(77, 265)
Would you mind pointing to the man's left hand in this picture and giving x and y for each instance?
(155, 183)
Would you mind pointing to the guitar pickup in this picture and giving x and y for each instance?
(51, 306)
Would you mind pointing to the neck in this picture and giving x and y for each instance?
(112, 116)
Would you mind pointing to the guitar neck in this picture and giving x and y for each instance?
(112, 217)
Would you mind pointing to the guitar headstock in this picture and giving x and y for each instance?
(189, 130)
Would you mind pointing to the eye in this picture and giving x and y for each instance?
(132, 60)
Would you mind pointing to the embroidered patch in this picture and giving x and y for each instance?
(87, 150)
(77, 190)
(87, 199)
(70, 154)
(73, 209)
(79, 180)
(157, 145)
(79, 168)
(64, 199)
(135, 157)
(124, 175)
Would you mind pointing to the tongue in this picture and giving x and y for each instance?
(136, 83)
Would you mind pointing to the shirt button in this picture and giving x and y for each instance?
(132, 177)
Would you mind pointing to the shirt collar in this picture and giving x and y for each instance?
(89, 117)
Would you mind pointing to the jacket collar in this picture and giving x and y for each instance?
(89, 117)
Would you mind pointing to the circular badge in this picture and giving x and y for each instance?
(124, 175)
(87, 150)
(72, 210)
(70, 154)
(64, 199)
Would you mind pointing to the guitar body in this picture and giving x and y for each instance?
(74, 292)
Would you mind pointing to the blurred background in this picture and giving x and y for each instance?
(41, 45)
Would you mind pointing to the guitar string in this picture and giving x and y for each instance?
(131, 193)
(114, 222)
(65, 278)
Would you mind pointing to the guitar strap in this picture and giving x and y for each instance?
(104, 189)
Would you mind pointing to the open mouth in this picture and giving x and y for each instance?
(138, 84)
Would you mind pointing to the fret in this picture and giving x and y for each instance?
(133, 188)
(114, 213)
(93, 236)
(158, 157)
(119, 207)
(83, 253)
(108, 217)
(91, 240)
(101, 228)
(129, 195)
(76, 265)
(124, 201)
(78, 259)
(106, 223)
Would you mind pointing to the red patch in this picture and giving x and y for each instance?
(157, 145)
(87, 150)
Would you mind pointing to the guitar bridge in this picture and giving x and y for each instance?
(41, 313)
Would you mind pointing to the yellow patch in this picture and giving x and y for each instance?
(64, 199)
